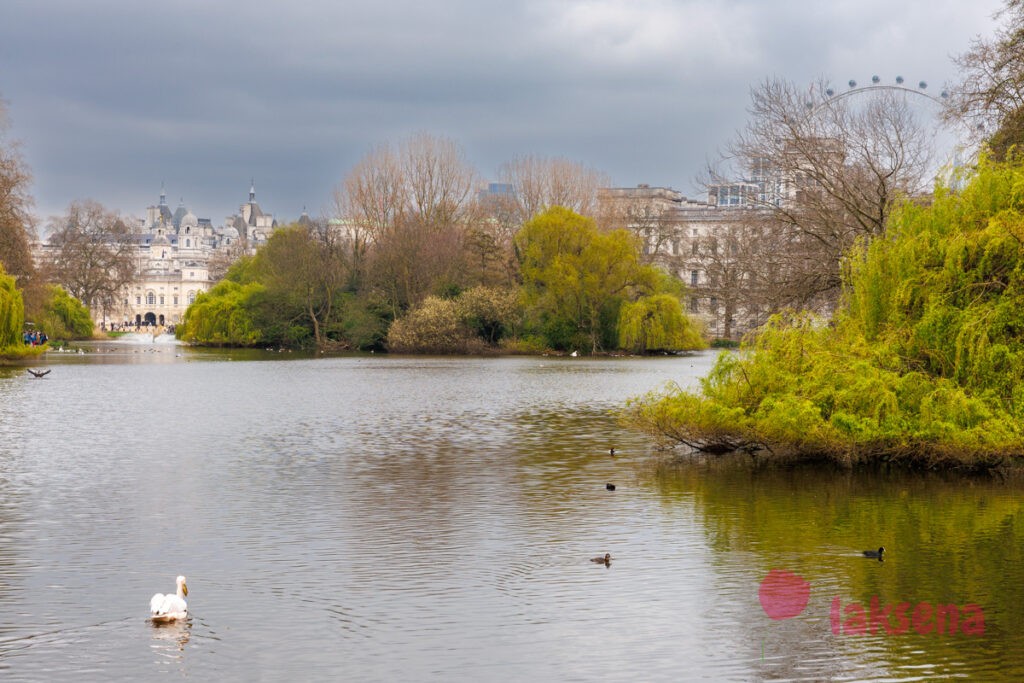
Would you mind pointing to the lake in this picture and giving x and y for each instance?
(378, 518)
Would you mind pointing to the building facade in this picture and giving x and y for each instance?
(177, 254)
(704, 243)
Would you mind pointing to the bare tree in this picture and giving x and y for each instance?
(16, 221)
(821, 172)
(92, 254)
(741, 263)
(438, 179)
(372, 197)
(989, 98)
(404, 214)
(539, 183)
(224, 257)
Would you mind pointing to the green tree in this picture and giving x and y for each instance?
(63, 316)
(12, 313)
(657, 323)
(303, 271)
(222, 316)
(575, 278)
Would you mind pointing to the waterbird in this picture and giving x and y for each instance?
(39, 374)
(610, 487)
(611, 451)
(167, 608)
(874, 553)
(602, 560)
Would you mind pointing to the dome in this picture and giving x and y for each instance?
(189, 220)
(230, 233)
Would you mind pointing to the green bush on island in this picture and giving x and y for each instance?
(922, 363)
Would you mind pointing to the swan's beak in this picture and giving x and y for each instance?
(184, 588)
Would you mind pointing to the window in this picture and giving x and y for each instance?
(175, 299)
(191, 298)
(138, 300)
(694, 277)
(693, 304)
(714, 304)
(188, 243)
(161, 299)
(150, 299)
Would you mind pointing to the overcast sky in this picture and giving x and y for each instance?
(111, 98)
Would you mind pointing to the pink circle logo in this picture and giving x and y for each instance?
(783, 594)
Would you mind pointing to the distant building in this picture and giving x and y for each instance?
(253, 226)
(176, 256)
(696, 241)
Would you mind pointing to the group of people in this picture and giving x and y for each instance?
(35, 338)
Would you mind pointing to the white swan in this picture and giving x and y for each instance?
(169, 607)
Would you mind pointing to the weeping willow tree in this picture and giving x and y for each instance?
(12, 313)
(922, 363)
(657, 323)
(12, 321)
(223, 316)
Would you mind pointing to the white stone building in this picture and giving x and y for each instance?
(175, 250)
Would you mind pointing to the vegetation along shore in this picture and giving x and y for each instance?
(920, 365)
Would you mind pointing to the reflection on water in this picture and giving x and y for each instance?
(950, 542)
(380, 518)
(169, 641)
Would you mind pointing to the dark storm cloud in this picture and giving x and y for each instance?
(112, 98)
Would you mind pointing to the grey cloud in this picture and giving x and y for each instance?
(112, 97)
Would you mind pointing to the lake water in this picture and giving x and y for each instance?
(391, 518)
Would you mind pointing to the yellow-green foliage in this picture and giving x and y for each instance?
(221, 316)
(434, 326)
(923, 362)
(657, 323)
(472, 322)
(12, 312)
(576, 279)
(63, 316)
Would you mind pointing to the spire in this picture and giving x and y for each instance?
(163, 194)
(252, 191)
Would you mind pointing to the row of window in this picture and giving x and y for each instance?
(151, 299)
